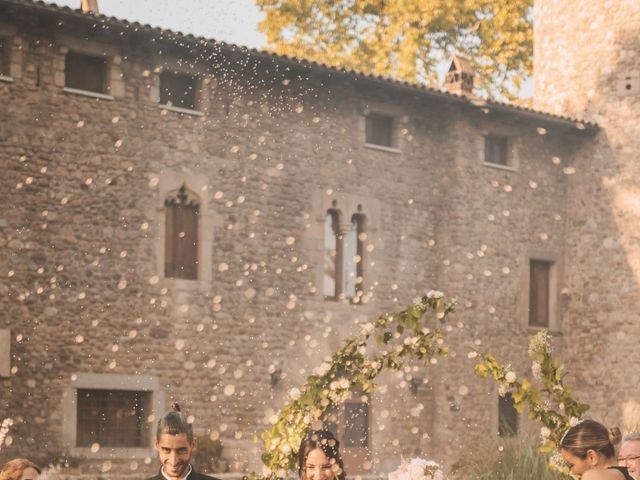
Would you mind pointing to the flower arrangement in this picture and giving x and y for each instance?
(417, 469)
(551, 403)
(400, 337)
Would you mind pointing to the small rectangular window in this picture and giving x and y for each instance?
(379, 130)
(85, 72)
(113, 418)
(495, 150)
(178, 90)
(4, 57)
(507, 417)
(539, 288)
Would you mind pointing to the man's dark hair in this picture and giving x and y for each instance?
(174, 422)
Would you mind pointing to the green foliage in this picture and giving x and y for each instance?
(549, 403)
(400, 338)
(406, 39)
(505, 459)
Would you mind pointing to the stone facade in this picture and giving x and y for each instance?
(272, 144)
(586, 64)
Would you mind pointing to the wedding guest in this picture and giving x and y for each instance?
(19, 469)
(319, 457)
(175, 445)
(629, 455)
(589, 450)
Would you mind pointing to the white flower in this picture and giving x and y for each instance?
(472, 354)
(510, 377)
(435, 294)
(323, 369)
(536, 370)
(573, 421)
(545, 432)
(368, 328)
(294, 393)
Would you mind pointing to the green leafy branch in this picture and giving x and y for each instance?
(550, 403)
(400, 337)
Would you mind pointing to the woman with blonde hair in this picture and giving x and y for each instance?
(589, 450)
(19, 469)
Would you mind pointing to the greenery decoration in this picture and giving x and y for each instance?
(400, 337)
(549, 403)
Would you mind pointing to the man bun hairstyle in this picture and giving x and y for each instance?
(174, 422)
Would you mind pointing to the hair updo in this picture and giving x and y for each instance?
(174, 422)
(591, 435)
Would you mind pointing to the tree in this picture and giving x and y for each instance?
(407, 39)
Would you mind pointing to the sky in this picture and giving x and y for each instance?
(231, 21)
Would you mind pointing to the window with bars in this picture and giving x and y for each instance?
(539, 291)
(113, 418)
(181, 235)
(178, 90)
(379, 130)
(85, 72)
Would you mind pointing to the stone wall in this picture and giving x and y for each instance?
(586, 64)
(82, 286)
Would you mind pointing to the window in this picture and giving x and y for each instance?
(5, 353)
(332, 254)
(85, 72)
(350, 423)
(113, 418)
(507, 417)
(379, 130)
(181, 235)
(539, 293)
(4, 57)
(344, 254)
(353, 258)
(178, 90)
(495, 150)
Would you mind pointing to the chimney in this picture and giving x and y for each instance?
(459, 78)
(90, 6)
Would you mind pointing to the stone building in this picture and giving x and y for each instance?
(193, 221)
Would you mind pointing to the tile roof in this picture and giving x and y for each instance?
(418, 88)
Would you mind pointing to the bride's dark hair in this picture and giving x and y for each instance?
(325, 441)
(590, 435)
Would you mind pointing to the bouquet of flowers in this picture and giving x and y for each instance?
(417, 469)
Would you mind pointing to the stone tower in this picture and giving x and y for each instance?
(587, 65)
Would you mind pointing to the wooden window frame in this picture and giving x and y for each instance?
(497, 145)
(174, 267)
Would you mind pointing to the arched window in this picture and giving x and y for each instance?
(181, 235)
(353, 260)
(332, 254)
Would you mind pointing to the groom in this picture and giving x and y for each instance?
(175, 445)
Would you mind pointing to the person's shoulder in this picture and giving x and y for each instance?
(200, 476)
(603, 474)
(156, 477)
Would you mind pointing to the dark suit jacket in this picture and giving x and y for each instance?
(192, 476)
